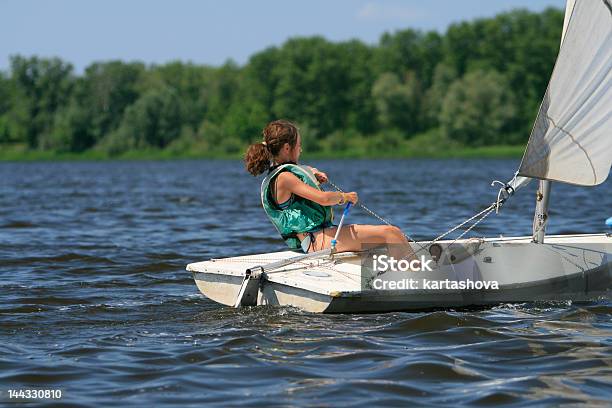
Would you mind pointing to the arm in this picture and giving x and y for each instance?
(290, 182)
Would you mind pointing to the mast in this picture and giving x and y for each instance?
(540, 218)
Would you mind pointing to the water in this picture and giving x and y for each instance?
(95, 301)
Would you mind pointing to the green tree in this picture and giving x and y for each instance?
(443, 77)
(409, 50)
(519, 44)
(5, 103)
(251, 107)
(478, 109)
(190, 81)
(221, 92)
(397, 103)
(105, 91)
(323, 85)
(345, 90)
(152, 122)
(42, 87)
(360, 109)
(5, 93)
(71, 131)
(260, 78)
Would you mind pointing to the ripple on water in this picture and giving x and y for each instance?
(94, 298)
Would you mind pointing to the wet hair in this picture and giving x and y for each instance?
(258, 156)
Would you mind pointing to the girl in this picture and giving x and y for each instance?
(294, 202)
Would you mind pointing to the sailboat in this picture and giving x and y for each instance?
(571, 142)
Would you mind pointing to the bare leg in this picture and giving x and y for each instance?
(352, 238)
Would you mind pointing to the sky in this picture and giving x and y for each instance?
(213, 32)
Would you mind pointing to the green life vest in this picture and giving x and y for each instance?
(301, 215)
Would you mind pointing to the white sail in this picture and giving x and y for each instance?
(569, 7)
(571, 140)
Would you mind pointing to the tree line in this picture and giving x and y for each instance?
(477, 84)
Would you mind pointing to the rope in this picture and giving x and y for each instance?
(372, 213)
(482, 214)
(486, 213)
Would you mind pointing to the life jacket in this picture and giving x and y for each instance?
(300, 215)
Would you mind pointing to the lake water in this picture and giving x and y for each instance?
(95, 300)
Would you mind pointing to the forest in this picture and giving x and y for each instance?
(474, 88)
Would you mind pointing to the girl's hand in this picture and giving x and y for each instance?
(321, 177)
(352, 197)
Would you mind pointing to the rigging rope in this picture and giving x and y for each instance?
(482, 214)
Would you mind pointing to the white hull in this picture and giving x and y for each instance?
(570, 267)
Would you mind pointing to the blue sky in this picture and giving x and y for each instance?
(211, 32)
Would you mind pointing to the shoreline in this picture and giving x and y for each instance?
(485, 152)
